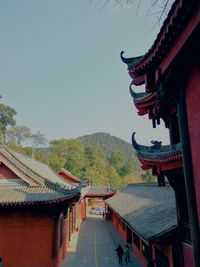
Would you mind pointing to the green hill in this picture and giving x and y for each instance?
(100, 157)
(108, 143)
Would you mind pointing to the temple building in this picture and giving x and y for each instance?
(170, 71)
(78, 209)
(96, 196)
(68, 176)
(91, 196)
(35, 212)
(145, 217)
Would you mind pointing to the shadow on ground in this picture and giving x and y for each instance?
(95, 245)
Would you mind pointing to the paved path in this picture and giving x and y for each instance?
(95, 245)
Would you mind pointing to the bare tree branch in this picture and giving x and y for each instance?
(164, 9)
(159, 7)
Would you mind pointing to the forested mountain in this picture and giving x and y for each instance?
(100, 158)
(108, 143)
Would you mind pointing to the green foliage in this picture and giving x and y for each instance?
(74, 157)
(101, 166)
(38, 139)
(126, 169)
(108, 143)
(6, 119)
(56, 156)
(116, 158)
(100, 158)
(110, 166)
(114, 179)
(147, 177)
(18, 134)
(95, 167)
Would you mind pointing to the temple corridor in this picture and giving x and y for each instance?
(95, 245)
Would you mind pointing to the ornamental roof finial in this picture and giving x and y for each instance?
(125, 60)
(134, 143)
(132, 61)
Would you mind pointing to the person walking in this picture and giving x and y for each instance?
(127, 254)
(120, 253)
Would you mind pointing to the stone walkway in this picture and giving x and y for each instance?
(95, 245)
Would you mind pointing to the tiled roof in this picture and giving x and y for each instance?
(31, 195)
(99, 190)
(68, 174)
(149, 209)
(143, 100)
(42, 184)
(38, 169)
(140, 96)
(175, 23)
(157, 152)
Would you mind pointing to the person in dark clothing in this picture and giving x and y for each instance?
(127, 254)
(120, 253)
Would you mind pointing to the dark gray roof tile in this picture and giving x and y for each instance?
(149, 209)
(99, 190)
(40, 184)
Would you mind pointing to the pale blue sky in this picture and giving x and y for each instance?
(60, 67)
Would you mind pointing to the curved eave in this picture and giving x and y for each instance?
(68, 175)
(161, 158)
(143, 101)
(100, 195)
(157, 154)
(39, 202)
(142, 97)
(146, 100)
(174, 25)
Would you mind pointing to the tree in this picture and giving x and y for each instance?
(59, 147)
(157, 8)
(116, 158)
(126, 169)
(18, 134)
(57, 154)
(147, 177)
(37, 139)
(6, 119)
(114, 179)
(95, 167)
(74, 157)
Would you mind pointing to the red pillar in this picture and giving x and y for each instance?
(64, 236)
(55, 245)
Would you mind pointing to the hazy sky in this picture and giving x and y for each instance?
(60, 67)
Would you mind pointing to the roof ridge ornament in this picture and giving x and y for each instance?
(126, 60)
(134, 143)
(132, 61)
(156, 144)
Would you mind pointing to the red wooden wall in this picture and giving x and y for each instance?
(166, 250)
(6, 173)
(31, 240)
(193, 112)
